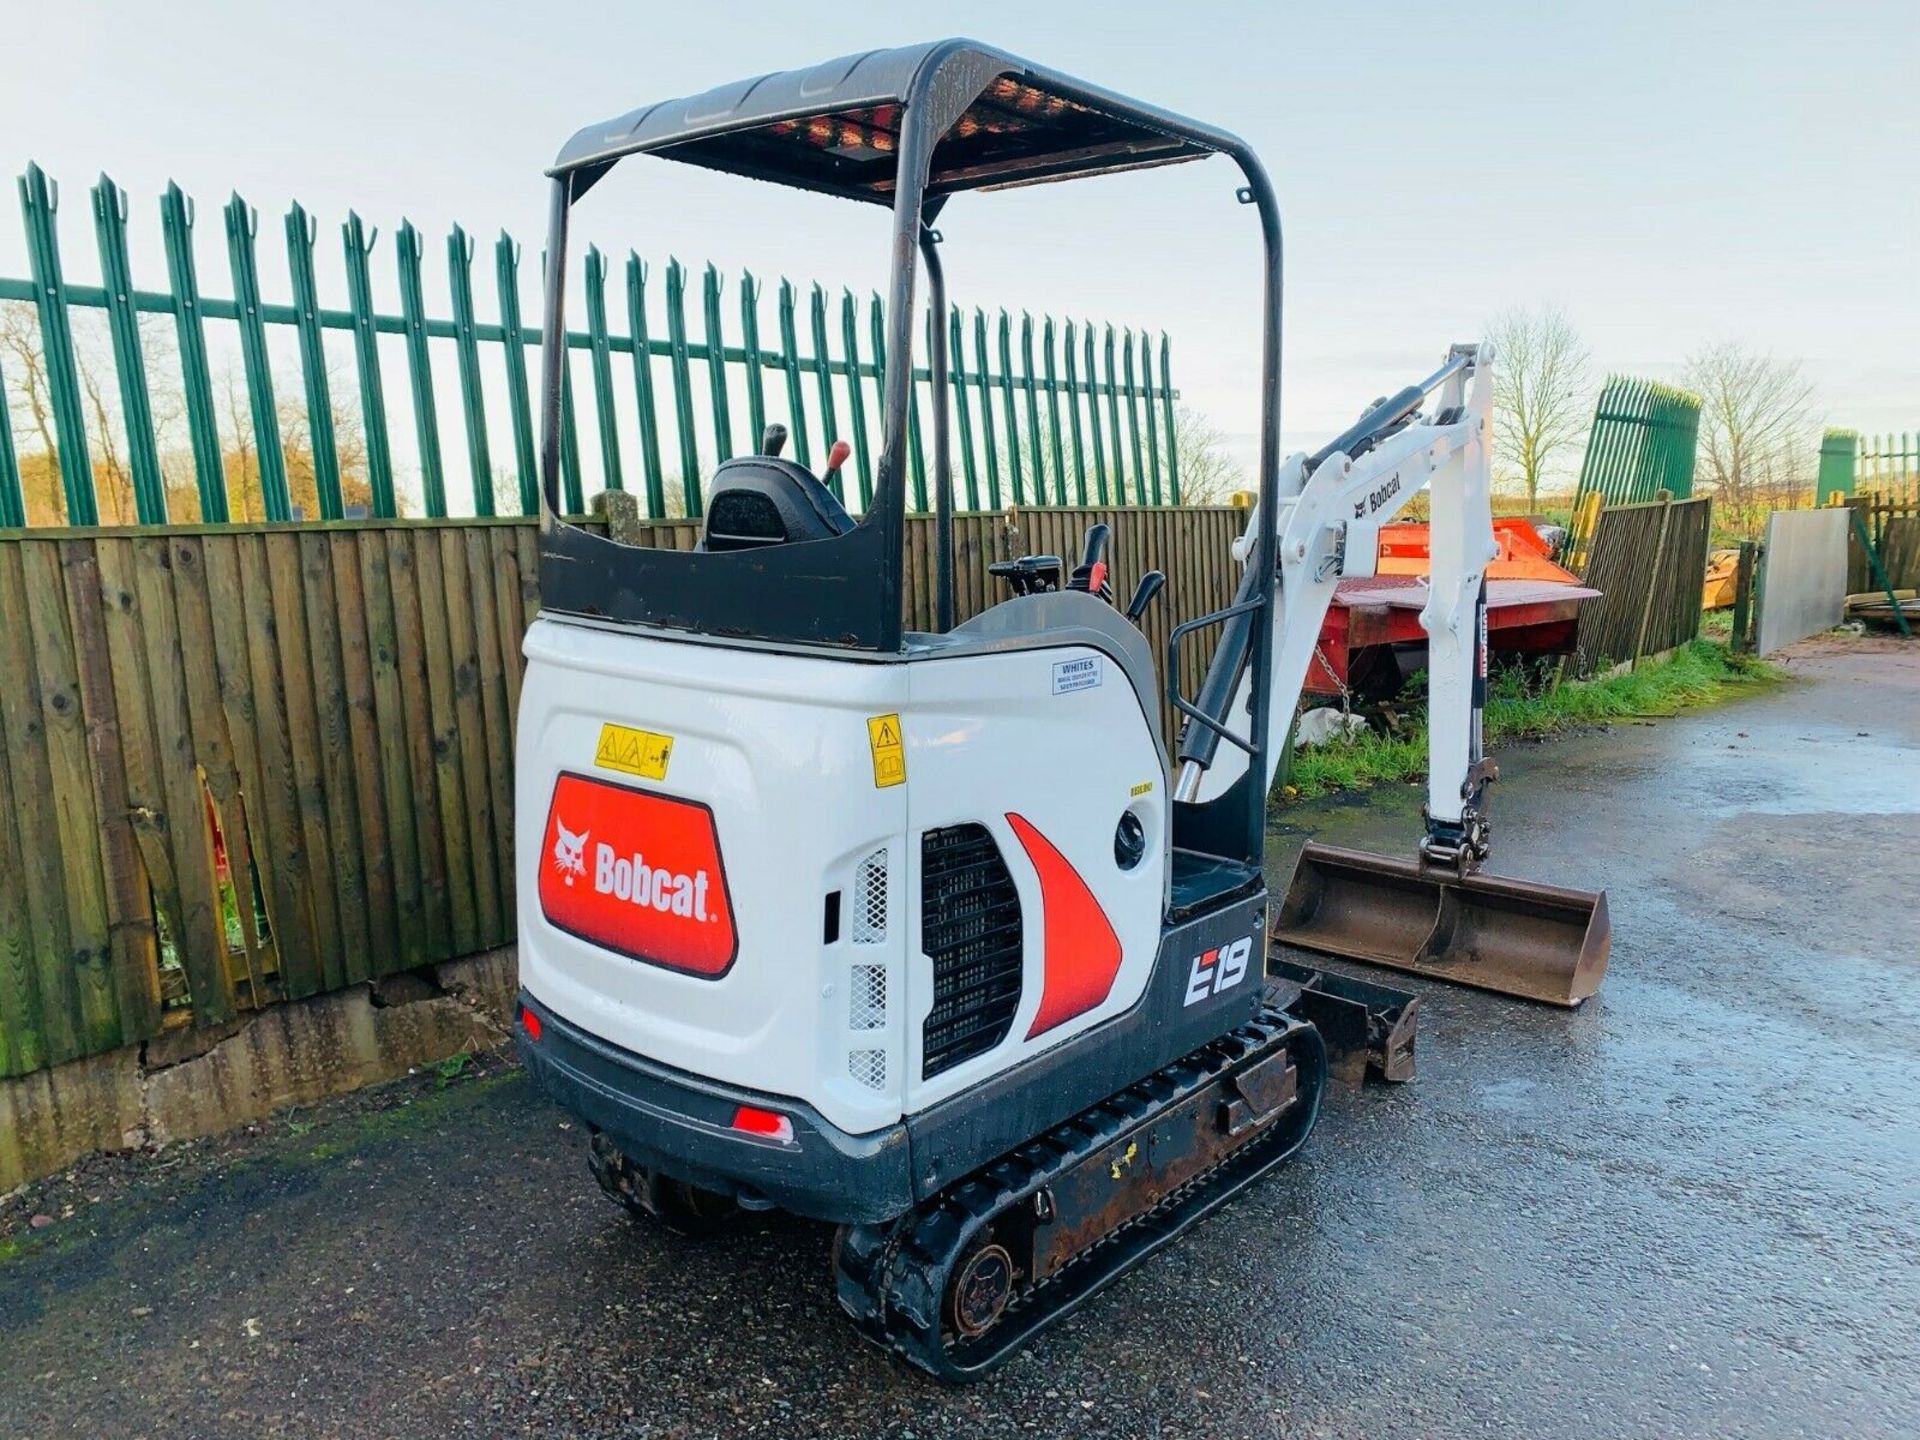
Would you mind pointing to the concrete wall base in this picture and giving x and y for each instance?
(192, 1083)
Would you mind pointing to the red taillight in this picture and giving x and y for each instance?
(530, 1022)
(767, 1123)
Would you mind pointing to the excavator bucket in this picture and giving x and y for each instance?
(1539, 942)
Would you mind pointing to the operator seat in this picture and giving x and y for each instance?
(764, 500)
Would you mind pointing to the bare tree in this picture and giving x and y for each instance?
(1758, 431)
(1208, 473)
(1540, 379)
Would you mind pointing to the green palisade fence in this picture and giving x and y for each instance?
(1886, 462)
(1642, 442)
(287, 436)
(1839, 453)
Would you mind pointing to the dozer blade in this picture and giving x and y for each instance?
(1539, 942)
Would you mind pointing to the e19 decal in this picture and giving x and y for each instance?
(1218, 970)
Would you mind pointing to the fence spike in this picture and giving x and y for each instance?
(325, 453)
(243, 225)
(473, 403)
(856, 397)
(681, 368)
(39, 207)
(196, 380)
(1047, 347)
(129, 363)
(823, 370)
(717, 364)
(359, 242)
(1173, 435)
(426, 417)
(513, 344)
(643, 387)
(750, 343)
(600, 350)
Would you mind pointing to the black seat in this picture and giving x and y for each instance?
(761, 500)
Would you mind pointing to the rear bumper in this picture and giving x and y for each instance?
(681, 1125)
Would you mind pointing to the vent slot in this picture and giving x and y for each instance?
(869, 1067)
(971, 930)
(870, 900)
(867, 998)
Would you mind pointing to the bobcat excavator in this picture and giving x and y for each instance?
(927, 935)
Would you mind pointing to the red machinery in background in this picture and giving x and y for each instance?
(1371, 639)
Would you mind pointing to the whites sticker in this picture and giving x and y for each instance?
(1076, 674)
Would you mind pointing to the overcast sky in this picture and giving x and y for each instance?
(1672, 175)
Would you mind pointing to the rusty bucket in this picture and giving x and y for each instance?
(1516, 937)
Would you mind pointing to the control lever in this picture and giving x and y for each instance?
(1030, 574)
(773, 440)
(836, 457)
(1150, 585)
(1090, 575)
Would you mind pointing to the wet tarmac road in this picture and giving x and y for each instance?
(1688, 1209)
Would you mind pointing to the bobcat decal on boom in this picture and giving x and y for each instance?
(569, 851)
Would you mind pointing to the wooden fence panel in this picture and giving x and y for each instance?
(1648, 562)
(322, 717)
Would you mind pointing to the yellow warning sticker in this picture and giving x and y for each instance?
(889, 751)
(1145, 787)
(637, 752)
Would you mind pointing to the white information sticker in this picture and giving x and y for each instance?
(1076, 674)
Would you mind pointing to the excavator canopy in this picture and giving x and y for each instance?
(837, 127)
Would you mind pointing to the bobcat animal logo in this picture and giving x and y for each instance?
(569, 850)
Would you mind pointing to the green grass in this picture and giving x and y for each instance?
(1525, 704)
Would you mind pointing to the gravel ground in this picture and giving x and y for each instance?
(1687, 1209)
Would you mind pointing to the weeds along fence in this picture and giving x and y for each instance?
(246, 764)
(1647, 561)
(1059, 412)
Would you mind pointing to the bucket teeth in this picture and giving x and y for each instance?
(1516, 937)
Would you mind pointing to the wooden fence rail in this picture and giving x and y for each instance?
(240, 764)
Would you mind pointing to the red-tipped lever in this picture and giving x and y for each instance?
(836, 457)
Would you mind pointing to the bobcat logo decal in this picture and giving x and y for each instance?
(569, 851)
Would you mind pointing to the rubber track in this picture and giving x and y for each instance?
(892, 1279)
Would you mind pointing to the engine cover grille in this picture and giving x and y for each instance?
(971, 930)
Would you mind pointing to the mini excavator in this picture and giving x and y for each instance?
(928, 935)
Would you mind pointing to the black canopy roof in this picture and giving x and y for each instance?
(836, 127)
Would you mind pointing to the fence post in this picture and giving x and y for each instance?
(1743, 598)
(136, 410)
(1113, 418)
(39, 202)
(1093, 417)
(301, 231)
(243, 224)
